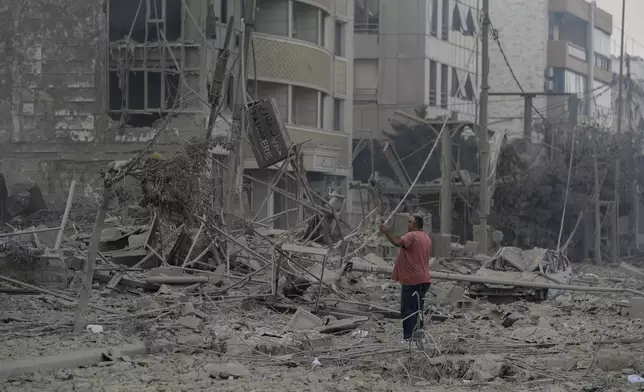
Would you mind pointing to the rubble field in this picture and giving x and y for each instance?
(169, 311)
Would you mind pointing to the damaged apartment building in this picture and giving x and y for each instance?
(83, 83)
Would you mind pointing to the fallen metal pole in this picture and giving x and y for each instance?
(515, 283)
(36, 231)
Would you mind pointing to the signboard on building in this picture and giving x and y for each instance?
(267, 134)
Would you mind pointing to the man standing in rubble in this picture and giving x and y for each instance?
(411, 270)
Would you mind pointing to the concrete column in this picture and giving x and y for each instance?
(290, 18)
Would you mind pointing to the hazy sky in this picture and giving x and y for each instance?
(634, 38)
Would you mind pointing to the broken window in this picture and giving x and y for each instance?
(469, 89)
(444, 84)
(145, 20)
(140, 97)
(455, 82)
(433, 70)
(470, 26)
(456, 18)
(445, 20)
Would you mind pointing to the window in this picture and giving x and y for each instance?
(469, 89)
(338, 114)
(445, 21)
(322, 40)
(434, 22)
(432, 82)
(145, 24)
(339, 39)
(602, 62)
(128, 93)
(601, 43)
(470, 26)
(146, 88)
(575, 83)
(223, 10)
(455, 82)
(457, 25)
(366, 17)
(444, 84)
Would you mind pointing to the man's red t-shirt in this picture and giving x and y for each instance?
(412, 262)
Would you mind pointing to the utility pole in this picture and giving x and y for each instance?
(239, 111)
(591, 114)
(484, 201)
(446, 205)
(620, 114)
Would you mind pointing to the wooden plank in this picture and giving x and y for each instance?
(111, 285)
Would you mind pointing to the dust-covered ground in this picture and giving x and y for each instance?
(571, 342)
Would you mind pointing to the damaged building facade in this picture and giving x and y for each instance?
(84, 83)
(304, 55)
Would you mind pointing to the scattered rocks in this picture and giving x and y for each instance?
(227, 370)
(487, 368)
(614, 360)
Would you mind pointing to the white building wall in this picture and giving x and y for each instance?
(401, 52)
(523, 32)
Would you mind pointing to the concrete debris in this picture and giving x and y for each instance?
(272, 301)
(227, 370)
(191, 322)
(487, 369)
(303, 320)
(614, 360)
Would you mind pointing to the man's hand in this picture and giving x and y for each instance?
(383, 229)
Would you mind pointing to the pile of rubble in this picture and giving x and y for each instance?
(179, 308)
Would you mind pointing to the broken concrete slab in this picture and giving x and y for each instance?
(187, 309)
(375, 259)
(614, 360)
(303, 320)
(636, 307)
(227, 370)
(486, 369)
(191, 322)
(566, 363)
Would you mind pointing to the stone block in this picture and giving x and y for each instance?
(636, 307)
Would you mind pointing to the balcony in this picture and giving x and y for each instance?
(290, 61)
(577, 51)
(326, 5)
(342, 8)
(563, 54)
(581, 9)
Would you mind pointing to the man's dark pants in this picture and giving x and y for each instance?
(409, 304)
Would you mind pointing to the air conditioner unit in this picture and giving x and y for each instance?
(550, 73)
(549, 86)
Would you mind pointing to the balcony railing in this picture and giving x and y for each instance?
(577, 52)
(365, 95)
(367, 28)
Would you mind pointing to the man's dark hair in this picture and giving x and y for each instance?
(418, 222)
